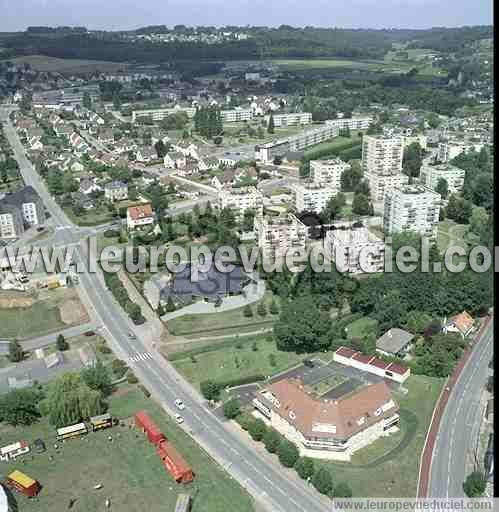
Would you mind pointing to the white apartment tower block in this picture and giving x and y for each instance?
(311, 196)
(382, 163)
(241, 199)
(278, 234)
(329, 172)
(413, 208)
(354, 249)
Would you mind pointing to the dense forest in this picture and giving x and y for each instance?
(282, 42)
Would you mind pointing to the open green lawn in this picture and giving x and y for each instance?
(450, 233)
(93, 217)
(386, 66)
(39, 319)
(361, 327)
(389, 467)
(224, 322)
(338, 143)
(132, 476)
(230, 362)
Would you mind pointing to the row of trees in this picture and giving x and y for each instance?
(208, 122)
(287, 452)
(119, 292)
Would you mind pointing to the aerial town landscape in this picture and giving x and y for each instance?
(245, 267)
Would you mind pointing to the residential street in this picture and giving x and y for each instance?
(262, 480)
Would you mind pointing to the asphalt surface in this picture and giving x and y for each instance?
(459, 426)
(264, 481)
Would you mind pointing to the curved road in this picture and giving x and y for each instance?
(460, 423)
(264, 481)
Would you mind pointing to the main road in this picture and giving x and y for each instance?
(261, 478)
(457, 436)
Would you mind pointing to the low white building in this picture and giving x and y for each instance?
(430, 175)
(311, 196)
(292, 119)
(278, 234)
(371, 364)
(328, 429)
(352, 123)
(354, 248)
(116, 191)
(237, 115)
(413, 208)
(447, 151)
(328, 171)
(241, 199)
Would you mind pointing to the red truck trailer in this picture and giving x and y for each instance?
(151, 430)
(23, 483)
(174, 462)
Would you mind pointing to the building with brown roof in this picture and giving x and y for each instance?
(462, 323)
(139, 216)
(329, 428)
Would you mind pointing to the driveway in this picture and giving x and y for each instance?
(254, 292)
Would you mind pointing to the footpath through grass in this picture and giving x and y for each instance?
(132, 475)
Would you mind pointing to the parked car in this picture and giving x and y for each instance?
(39, 446)
(308, 363)
(179, 419)
(132, 336)
(90, 333)
(179, 404)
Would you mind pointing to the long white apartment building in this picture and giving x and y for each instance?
(292, 119)
(161, 113)
(328, 171)
(354, 249)
(241, 199)
(311, 196)
(278, 234)
(447, 151)
(267, 152)
(382, 163)
(236, 115)
(430, 175)
(413, 208)
(352, 123)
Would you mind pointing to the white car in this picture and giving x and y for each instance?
(179, 418)
(180, 405)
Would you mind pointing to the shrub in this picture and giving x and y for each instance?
(119, 368)
(104, 349)
(272, 360)
(61, 343)
(210, 389)
(232, 408)
(274, 308)
(247, 311)
(271, 440)
(145, 391)
(261, 309)
(257, 429)
(245, 420)
(474, 485)
(288, 453)
(132, 378)
(305, 467)
(342, 490)
(323, 481)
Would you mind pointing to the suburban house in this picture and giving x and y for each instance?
(88, 185)
(395, 342)
(116, 191)
(328, 429)
(145, 154)
(207, 163)
(175, 160)
(187, 149)
(139, 216)
(462, 323)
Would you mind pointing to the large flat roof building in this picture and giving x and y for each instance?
(311, 196)
(430, 175)
(328, 171)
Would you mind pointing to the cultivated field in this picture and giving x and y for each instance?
(44, 63)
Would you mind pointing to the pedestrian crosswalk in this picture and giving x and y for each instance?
(143, 356)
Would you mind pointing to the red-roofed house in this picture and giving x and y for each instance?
(462, 323)
(139, 216)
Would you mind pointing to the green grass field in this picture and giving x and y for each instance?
(361, 327)
(94, 217)
(389, 467)
(449, 233)
(230, 362)
(132, 476)
(225, 322)
(338, 143)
